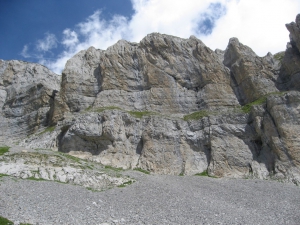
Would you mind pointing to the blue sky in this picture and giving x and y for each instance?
(25, 22)
(51, 31)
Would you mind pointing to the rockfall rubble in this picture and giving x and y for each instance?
(167, 105)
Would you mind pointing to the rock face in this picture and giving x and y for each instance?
(290, 70)
(172, 106)
(253, 76)
(162, 73)
(27, 91)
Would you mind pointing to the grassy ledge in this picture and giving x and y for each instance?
(4, 149)
(141, 170)
(138, 114)
(73, 158)
(246, 108)
(48, 129)
(113, 168)
(196, 115)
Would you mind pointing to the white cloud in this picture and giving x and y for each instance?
(47, 43)
(70, 38)
(95, 32)
(172, 17)
(257, 23)
(24, 52)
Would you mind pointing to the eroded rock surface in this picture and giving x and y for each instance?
(253, 76)
(173, 106)
(43, 165)
(162, 74)
(27, 91)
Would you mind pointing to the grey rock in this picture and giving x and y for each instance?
(170, 106)
(253, 76)
(222, 143)
(51, 166)
(26, 93)
(294, 29)
(290, 75)
(162, 74)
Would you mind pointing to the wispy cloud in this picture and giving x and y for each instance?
(24, 52)
(258, 24)
(70, 38)
(206, 24)
(94, 31)
(49, 42)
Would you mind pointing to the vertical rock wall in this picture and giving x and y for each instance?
(167, 105)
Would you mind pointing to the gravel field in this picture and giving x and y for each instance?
(152, 199)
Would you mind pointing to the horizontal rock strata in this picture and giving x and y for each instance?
(167, 105)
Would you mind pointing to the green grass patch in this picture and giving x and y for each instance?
(140, 114)
(279, 55)
(3, 175)
(105, 108)
(4, 221)
(246, 108)
(72, 157)
(204, 174)
(48, 129)
(91, 167)
(141, 170)
(113, 168)
(181, 174)
(88, 109)
(4, 149)
(196, 115)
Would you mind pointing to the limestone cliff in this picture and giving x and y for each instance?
(167, 105)
(26, 93)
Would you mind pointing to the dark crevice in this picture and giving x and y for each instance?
(236, 89)
(60, 137)
(139, 147)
